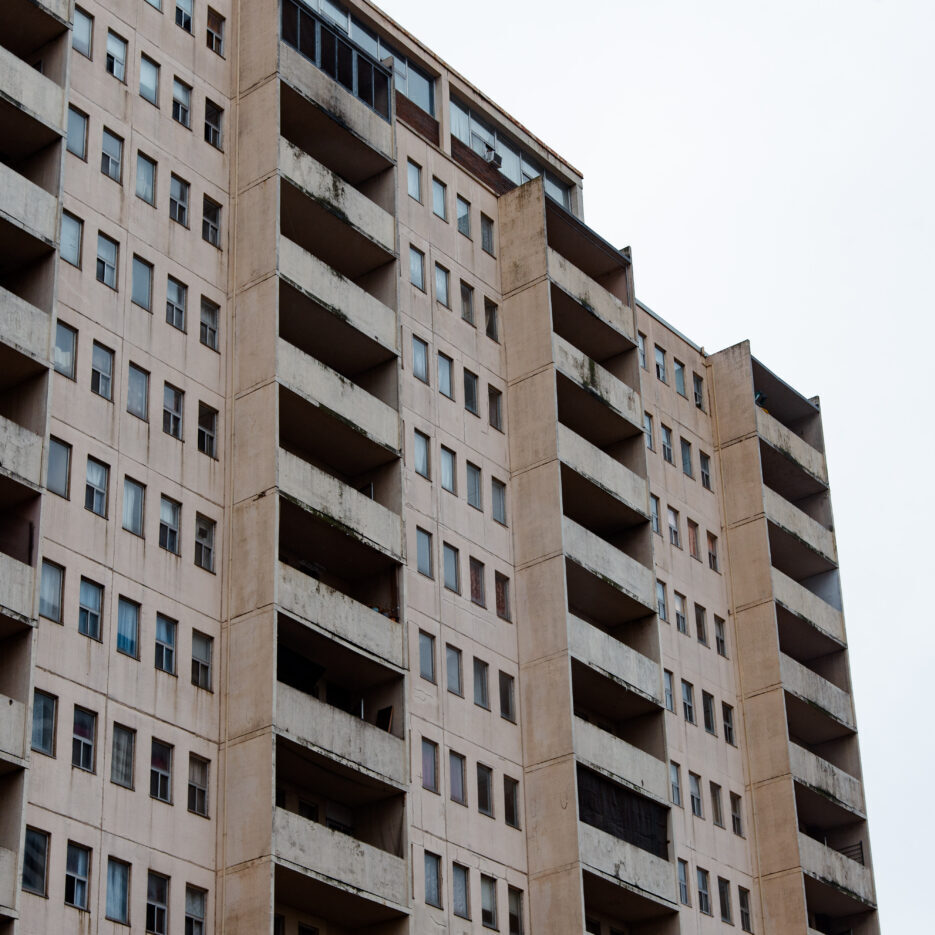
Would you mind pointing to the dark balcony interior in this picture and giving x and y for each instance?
(31, 33)
(19, 519)
(23, 384)
(795, 558)
(328, 335)
(15, 658)
(828, 822)
(816, 730)
(607, 704)
(600, 602)
(29, 147)
(791, 408)
(813, 648)
(787, 478)
(591, 416)
(623, 910)
(31, 280)
(12, 789)
(833, 911)
(336, 675)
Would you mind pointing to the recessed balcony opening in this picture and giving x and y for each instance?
(787, 478)
(828, 822)
(614, 910)
(29, 147)
(32, 33)
(32, 280)
(794, 557)
(15, 656)
(19, 520)
(815, 730)
(812, 647)
(20, 254)
(832, 911)
(23, 382)
(591, 416)
(782, 402)
(12, 784)
(320, 549)
(334, 674)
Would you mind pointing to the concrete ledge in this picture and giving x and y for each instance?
(785, 441)
(609, 563)
(817, 691)
(28, 206)
(340, 615)
(20, 452)
(616, 758)
(345, 400)
(8, 881)
(16, 588)
(361, 516)
(825, 778)
(340, 860)
(799, 524)
(31, 91)
(801, 602)
(827, 865)
(24, 327)
(12, 728)
(592, 296)
(57, 8)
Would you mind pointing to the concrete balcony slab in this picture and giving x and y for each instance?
(816, 691)
(12, 730)
(8, 882)
(24, 327)
(826, 779)
(20, 452)
(621, 761)
(828, 866)
(785, 441)
(803, 603)
(16, 588)
(31, 92)
(26, 206)
(799, 525)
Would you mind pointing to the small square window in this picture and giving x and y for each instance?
(169, 518)
(207, 430)
(478, 582)
(441, 286)
(204, 542)
(208, 334)
(142, 283)
(486, 234)
(107, 251)
(215, 33)
(424, 552)
(467, 302)
(417, 268)
(439, 199)
(166, 629)
(116, 62)
(82, 32)
(445, 371)
(58, 473)
(470, 393)
(77, 139)
(211, 222)
(138, 392)
(414, 180)
(421, 453)
(95, 489)
(214, 116)
(178, 200)
(427, 656)
(464, 216)
(491, 320)
(149, 80)
(202, 654)
(176, 302)
(172, 403)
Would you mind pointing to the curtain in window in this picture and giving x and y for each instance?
(122, 765)
(127, 627)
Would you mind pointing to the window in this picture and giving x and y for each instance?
(736, 814)
(723, 894)
(82, 739)
(464, 216)
(717, 811)
(70, 241)
(214, 117)
(470, 392)
(453, 667)
(698, 386)
(183, 14)
(414, 180)
(157, 903)
(445, 382)
(166, 629)
(424, 552)
(686, 458)
(641, 348)
(507, 700)
(102, 370)
(59, 469)
(707, 711)
(467, 302)
(207, 430)
(433, 887)
(704, 900)
(694, 792)
(107, 250)
(211, 222)
(661, 364)
(66, 341)
(491, 321)
(429, 765)
(481, 696)
(128, 627)
(705, 463)
(50, 591)
(215, 33)
(460, 881)
(456, 769)
(43, 722)
(681, 620)
(675, 782)
(133, 494)
(486, 234)
(448, 463)
(195, 902)
(417, 268)
(116, 62)
(77, 871)
(420, 359)
(693, 547)
(427, 656)
(138, 392)
(701, 626)
(485, 790)
(478, 582)
(421, 453)
(712, 552)
(727, 716)
(181, 103)
(118, 891)
(122, 754)
(669, 692)
(515, 905)
(667, 444)
(720, 637)
(746, 919)
(202, 652)
(77, 138)
(683, 883)
(661, 608)
(502, 589)
(452, 568)
(142, 283)
(495, 408)
(648, 431)
(441, 286)
(35, 861)
(204, 542)
(679, 369)
(82, 32)
(149, 80)
(178, 200)
(688, 701)
(198, 785)
(474, 494)
(439, 199)
(511, 802)
(674, 535)
(498, 500)
(160, 771)
(95, 488)
(145, 179)
(172, 402)
(654, 513)
(176, 303)
(209, 323)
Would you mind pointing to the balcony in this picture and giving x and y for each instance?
(826, 779)
(791, 446)
(808, 607)
(817, 692)
(32, 105)
(12, 730)
(313, 601)
(828, 866)
(8, 881)
(16, 587)
(339, 860)
(28, 216)
(620, 760)
(24, 328)
(799, 546)
(21, 452)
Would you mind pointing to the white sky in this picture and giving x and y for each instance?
(772, 165)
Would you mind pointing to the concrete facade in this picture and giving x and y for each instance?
(449, 587)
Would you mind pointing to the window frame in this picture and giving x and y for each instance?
(46, 724)
(417, 267)
(181, 102)
(211, 221)
(77, 883)
(198, 790)
(93, 490)
(166, 646)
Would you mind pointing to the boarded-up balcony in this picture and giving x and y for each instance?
(620, 760)
(818, 693)
(826, 779)
(828, 866)
(20, 452)
(12, 730)
(16, 587)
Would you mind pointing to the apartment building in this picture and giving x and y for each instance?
(407, 574)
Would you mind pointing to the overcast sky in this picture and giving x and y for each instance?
(772, 166)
